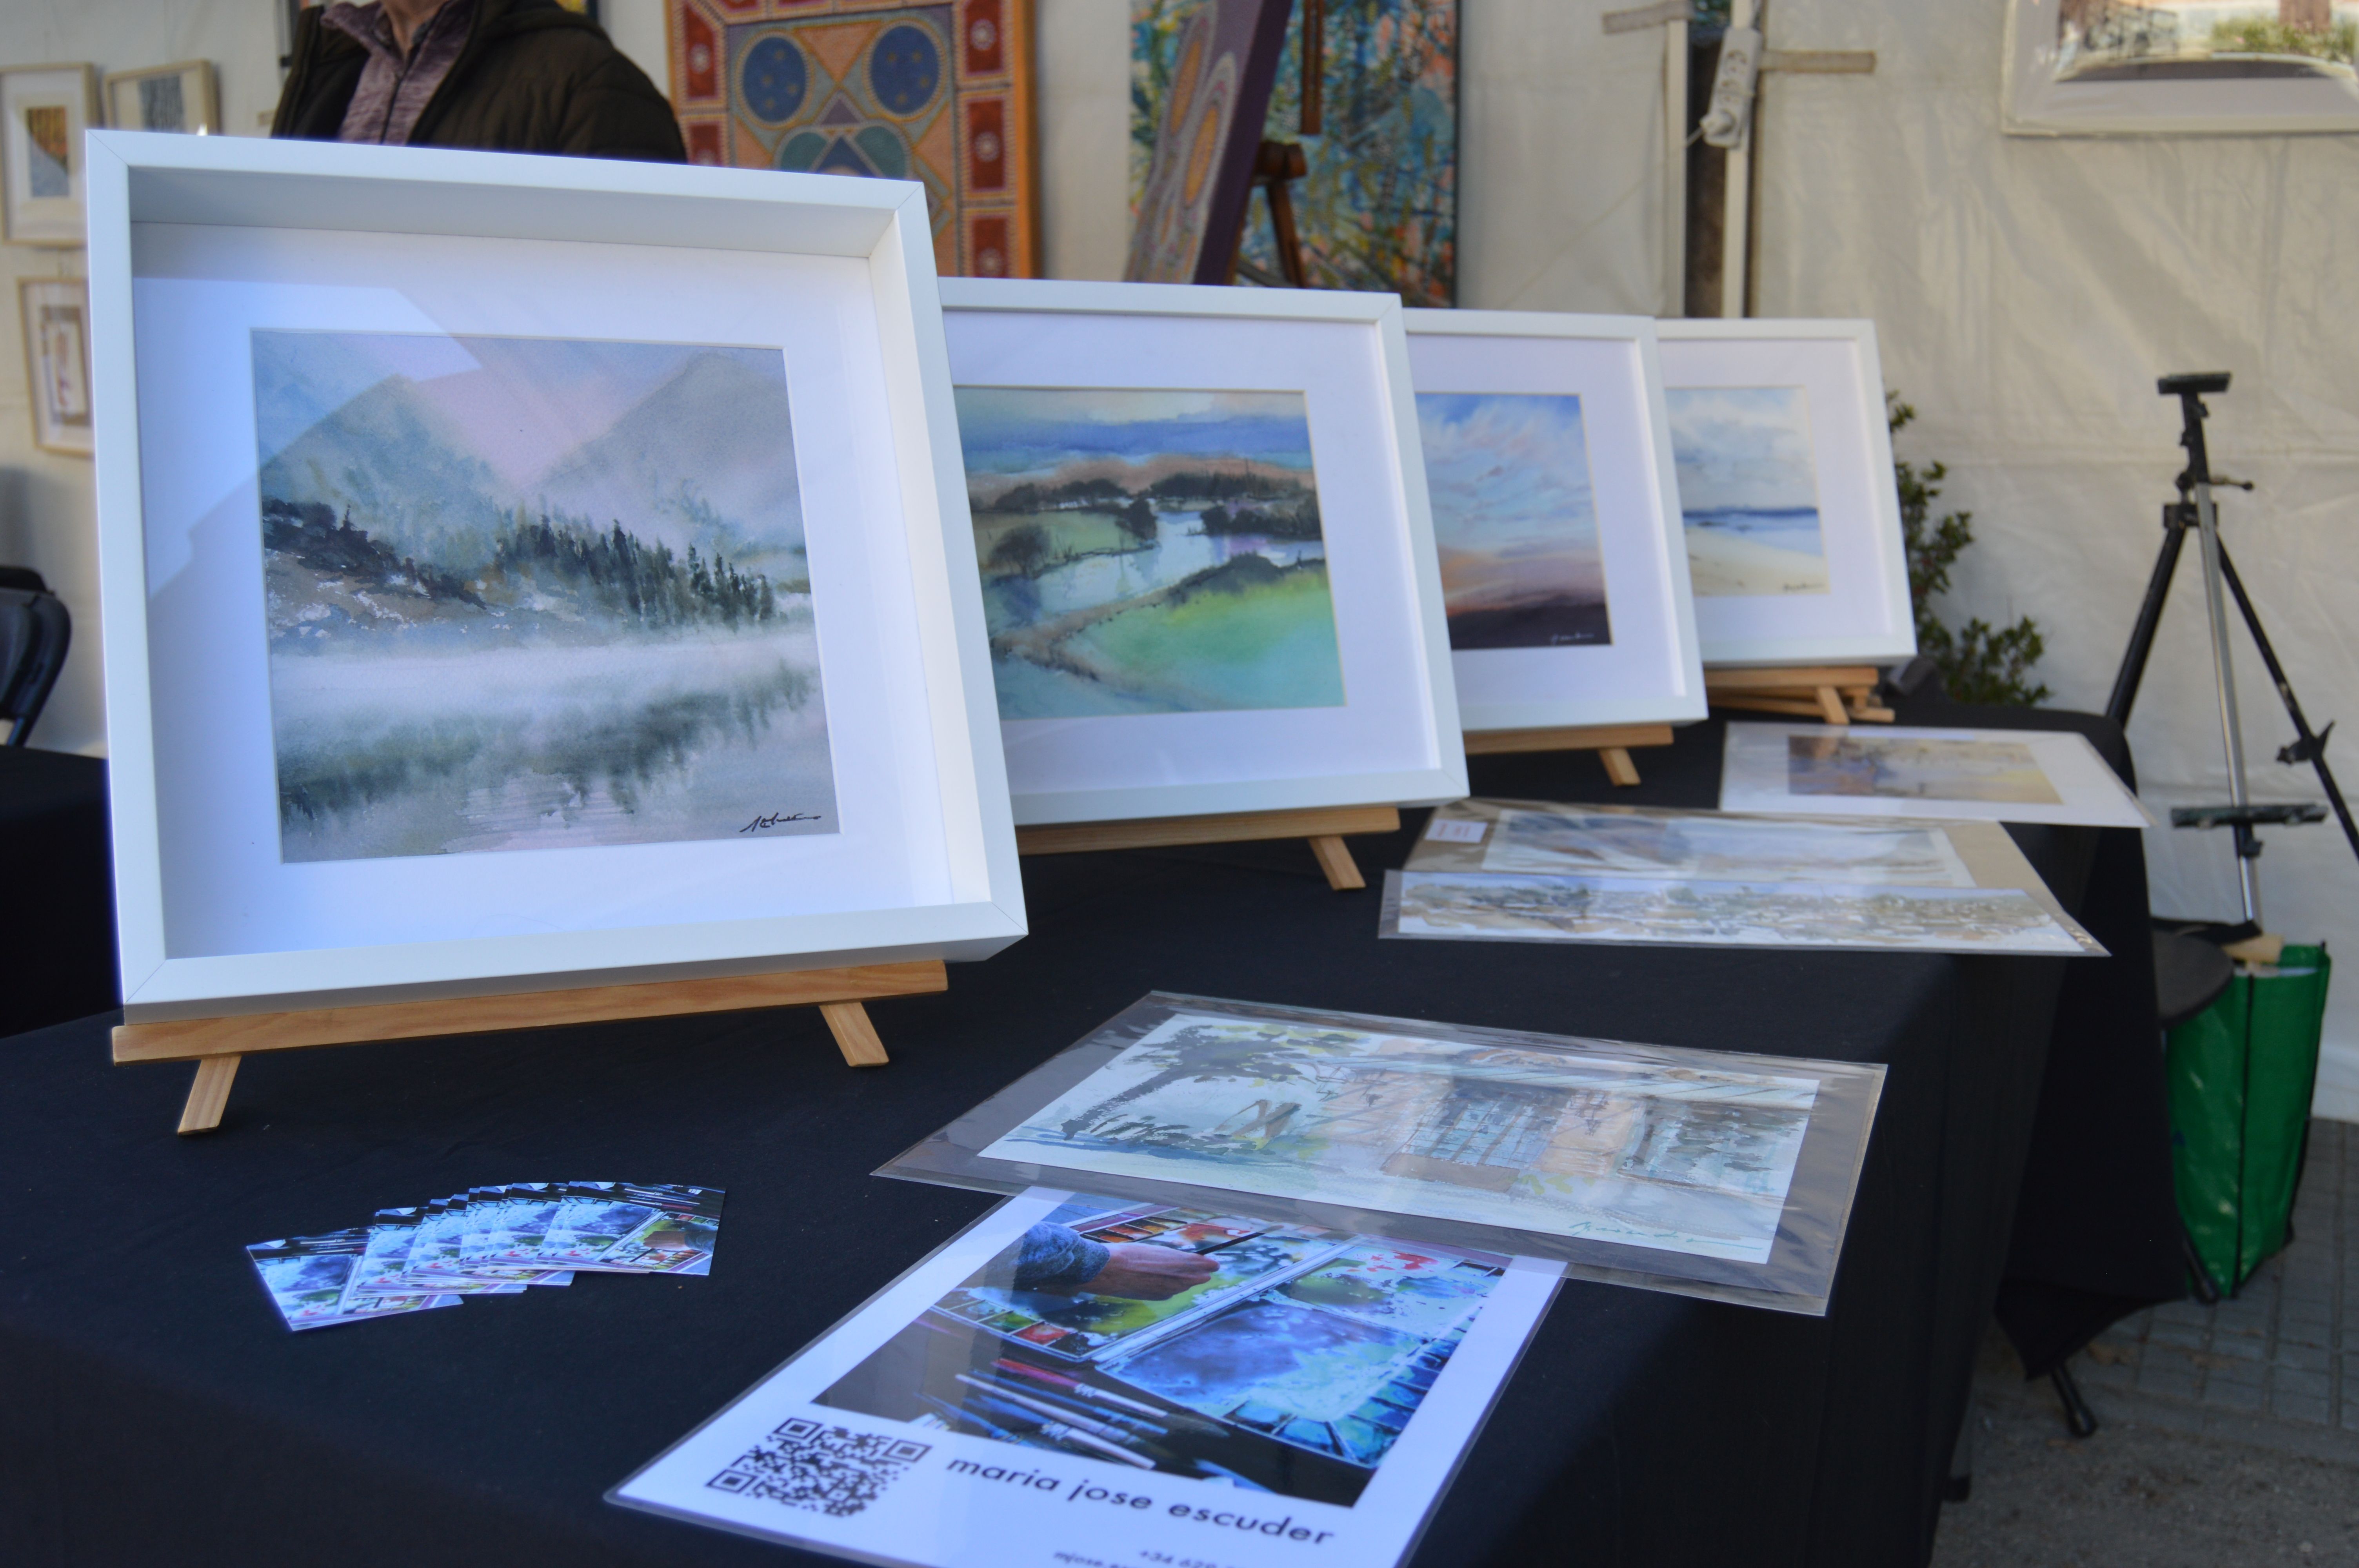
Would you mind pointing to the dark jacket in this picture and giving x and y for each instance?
(533, 77)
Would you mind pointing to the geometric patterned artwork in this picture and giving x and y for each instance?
(935, 91)
(1197, 107)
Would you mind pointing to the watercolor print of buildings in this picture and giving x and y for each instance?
(1711, 913)
(1149, 552)
(2205, 40)
(1707, 847)
(1515, 519)
(1683, 1158)
(1905, 769)
(1748, 490)
(533, 593)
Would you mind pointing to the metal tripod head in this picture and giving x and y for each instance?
(2190, 389)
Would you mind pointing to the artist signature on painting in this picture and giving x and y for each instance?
(775, 817)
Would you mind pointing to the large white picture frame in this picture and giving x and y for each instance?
(1548, 456)
(202, 246)
(2079, 70)
(1300, 397)
(1786, 482)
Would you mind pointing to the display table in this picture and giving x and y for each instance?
(153, 1408)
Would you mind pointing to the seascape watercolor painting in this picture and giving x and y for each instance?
(1515, 519)
(1508, 908)
(1687, 1159)
(1748, 490)
(1908, 768)
(531, 593)
(1702, 847)
(1149, 551)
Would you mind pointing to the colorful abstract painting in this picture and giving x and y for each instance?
(1378, 209)
(1514, 518)
(941, 93)
(527, 593)
(1748, 490)
(1149, 552)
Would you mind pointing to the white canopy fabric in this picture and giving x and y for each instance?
(2027, 292)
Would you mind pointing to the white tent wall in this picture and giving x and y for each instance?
(2027, 292)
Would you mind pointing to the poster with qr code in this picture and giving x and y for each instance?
(1078, 1381)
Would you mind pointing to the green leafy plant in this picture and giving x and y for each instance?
(1978, 662)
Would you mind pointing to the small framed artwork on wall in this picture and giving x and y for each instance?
(2096, 68)
(44, 109)
(180, 97)
(56, 315)
(1549, 457)
(1785, 488)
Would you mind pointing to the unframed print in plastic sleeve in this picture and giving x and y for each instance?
(1304, 1398)
(1988, 775)
(1703, 1173)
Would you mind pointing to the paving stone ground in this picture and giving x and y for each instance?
(2230, 1434)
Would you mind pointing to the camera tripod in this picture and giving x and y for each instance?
(2194, 511)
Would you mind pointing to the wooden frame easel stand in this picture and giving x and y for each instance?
(1323, 825)
(1612, 742)
(218, 1045)
(1834, 694)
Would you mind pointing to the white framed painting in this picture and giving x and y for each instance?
(2098, 68)
(184, 97)
(1206, 560)
(495, 600)
(1556, 515)
(44, 110)
(55, 314)
(1791, 514)
(1879, 770)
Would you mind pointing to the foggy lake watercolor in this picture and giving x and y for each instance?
(533, 593)
(1748, 490)
(1515, 519)
(1149, 551)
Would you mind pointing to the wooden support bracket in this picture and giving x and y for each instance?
(218, 1045)
(1323, 825)
(1832, 693)
(1612, 742)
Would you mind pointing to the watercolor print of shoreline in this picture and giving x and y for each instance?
(1896, 767)
(534, 594)
(1149, 552)
(1748, 490)
(1515, 519)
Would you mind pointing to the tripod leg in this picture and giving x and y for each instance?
(2150, 616)
(2292, 704)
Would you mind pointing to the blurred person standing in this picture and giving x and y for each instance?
(514, 76)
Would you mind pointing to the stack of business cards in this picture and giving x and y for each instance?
(488, 1241)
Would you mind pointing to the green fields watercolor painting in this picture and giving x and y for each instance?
(533, 593)
(1149, 551)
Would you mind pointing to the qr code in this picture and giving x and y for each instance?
(826, 1469)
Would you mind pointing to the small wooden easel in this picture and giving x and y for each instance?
(1612, 742)
(1325, 826)
(218, 1045)
(1836, 694)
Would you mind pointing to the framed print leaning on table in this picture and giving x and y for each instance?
(1786, 484)
(498, 601)
(1190, 613)
(44, 110)
(1557, 517)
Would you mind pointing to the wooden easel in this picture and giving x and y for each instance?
(1612, 742)
(1325, 826)
(218, 1045)
(1836, 694)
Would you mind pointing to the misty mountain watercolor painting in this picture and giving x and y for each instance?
(534, 594)
(1748, 490)
(1515, 519)
(1149, 551)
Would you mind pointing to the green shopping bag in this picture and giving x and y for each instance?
(2240, 1074)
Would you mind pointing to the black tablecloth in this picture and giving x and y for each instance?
(59, 948)
(152, 1409)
